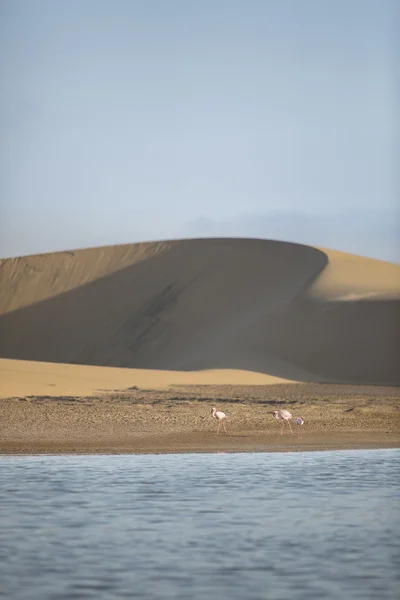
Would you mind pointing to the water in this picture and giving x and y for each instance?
(232, 526)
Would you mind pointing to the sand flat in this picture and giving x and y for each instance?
(178, 419)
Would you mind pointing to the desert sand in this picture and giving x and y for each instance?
(126, 348)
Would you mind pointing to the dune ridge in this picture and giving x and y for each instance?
(265, 307)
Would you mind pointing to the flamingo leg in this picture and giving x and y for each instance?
(283, 426)
(299, 431)
(223, 425)
(219, 425)
(290, 427)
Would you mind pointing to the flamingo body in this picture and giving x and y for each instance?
(299, 422)
(284, 416)
(220, 416)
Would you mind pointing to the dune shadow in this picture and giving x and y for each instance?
(351, 342)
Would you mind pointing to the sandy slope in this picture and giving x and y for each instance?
(279, 309)
(19, 378)
(351, 277)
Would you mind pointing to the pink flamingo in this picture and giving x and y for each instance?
(299, 423)
(220, 416)
(284, 416)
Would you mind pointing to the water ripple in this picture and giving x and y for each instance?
(255, 526)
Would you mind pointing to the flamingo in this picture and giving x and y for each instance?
(284, 416)
(220, 416)
(299, 423)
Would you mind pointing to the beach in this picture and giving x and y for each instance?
(178, 419)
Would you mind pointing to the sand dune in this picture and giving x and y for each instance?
(221, 305)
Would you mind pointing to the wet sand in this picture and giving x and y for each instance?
(178, 419)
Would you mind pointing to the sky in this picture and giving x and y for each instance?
(136, 120)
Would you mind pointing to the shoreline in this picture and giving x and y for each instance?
(29, 442)
(13, 449)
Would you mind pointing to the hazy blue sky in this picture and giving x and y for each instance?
(128, 120)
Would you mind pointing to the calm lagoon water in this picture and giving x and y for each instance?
(320, 525)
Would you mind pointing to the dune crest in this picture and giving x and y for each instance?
(280, 309)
